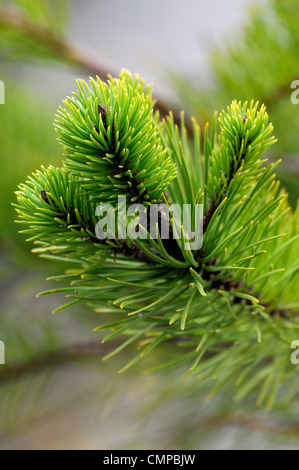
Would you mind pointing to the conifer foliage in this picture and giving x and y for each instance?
(226, 310)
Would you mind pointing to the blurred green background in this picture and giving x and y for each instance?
(55, 393)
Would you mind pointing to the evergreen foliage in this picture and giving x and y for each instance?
(259, 62)
(227, 310)
(115, 148)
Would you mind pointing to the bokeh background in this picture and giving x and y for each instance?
(55, 392)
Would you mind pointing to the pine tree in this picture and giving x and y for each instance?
(241, 343)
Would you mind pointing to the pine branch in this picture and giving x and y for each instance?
(228, 303)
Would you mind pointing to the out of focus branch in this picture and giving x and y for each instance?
(74, 54)
(282, 426)
(44, 361)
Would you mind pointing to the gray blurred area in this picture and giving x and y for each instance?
(149, 38)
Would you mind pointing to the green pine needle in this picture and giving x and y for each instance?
(236, 297)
